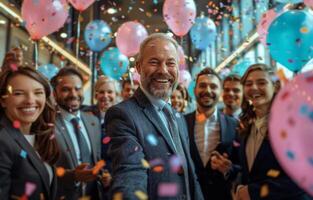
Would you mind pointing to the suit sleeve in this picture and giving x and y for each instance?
(6, 165)
(129, 174)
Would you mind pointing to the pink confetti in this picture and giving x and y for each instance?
(167, 189)
(29, 188)
(236, 144)
(106, 140)
(13, 66)
(175, 163)
(16, 124)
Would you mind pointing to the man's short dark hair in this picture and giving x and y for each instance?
(66, 71)
(232, 77)
(208, 71)
(127, 81)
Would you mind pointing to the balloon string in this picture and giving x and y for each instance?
(130, 77)
(78, 35)
(36, 54)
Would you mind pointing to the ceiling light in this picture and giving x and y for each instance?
(2, 22)
(131, 59)
(63, 35)
(112, 11)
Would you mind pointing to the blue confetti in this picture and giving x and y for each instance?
(311, 161)
(152, 140)
(290, 155)
(304, 109)
(23, 154)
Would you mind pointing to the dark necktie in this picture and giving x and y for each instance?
(85, 155)
(173, 128)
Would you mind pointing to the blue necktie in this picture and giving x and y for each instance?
(85, 155)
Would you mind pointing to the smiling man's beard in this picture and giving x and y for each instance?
(211, 105)
(162, 93)
(63, 104)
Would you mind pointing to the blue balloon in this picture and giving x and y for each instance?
(97, 35)
(191, 89)
(290, 39)
(241, 67)
(203, 32)
(113, 63)
(48, 70)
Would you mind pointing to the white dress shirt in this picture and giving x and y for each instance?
(207, 135)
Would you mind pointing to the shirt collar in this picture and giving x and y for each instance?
(69, 116)
(156, 102)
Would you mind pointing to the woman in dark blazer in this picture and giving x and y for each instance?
(262, 175)
(28, 148)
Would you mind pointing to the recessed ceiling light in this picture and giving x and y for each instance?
(131, 59)
(3, 22)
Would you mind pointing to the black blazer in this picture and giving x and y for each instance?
(281, 187)
(213, 184)
(128, 124)
(19, 164)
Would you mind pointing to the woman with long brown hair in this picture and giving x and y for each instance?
(28, 149)
(262, 175)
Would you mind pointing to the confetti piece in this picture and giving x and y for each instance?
(141, 195)
(236, 144)
(264, 191)
(273, 173)
(118, 196)
(310, 161)
(158, 169)
(23, 153)
(144, 163)
(304, 109)
(85, 198)
(60, 171)
(304, 30)
(106, 140)
(283, 134)
(52, 137)
(98, 166)
(200, 117)
(29, 188)
(290, 155)
(13, 66)
(152, 139)
(175, 163)
(167, 189)
(16, 124)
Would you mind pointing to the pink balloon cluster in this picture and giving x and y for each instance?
(291, 129)
(129, 36)
(81, 5)
(308, 3)
(43, 17)
(179, 15)
(266, 20)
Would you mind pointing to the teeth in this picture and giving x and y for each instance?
(162, 80)
(29, 109)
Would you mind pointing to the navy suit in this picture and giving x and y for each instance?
(281, 187)
(128, 125)
(19, 164)
(213, 184)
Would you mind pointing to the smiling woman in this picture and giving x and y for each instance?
(27, 146)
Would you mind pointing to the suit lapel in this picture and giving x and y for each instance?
(153, 116)
(66, 136)
(33, 157)
(91, 131)
(158, 124)
(223, 127)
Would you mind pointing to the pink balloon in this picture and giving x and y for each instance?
(43, 17)
(179, 15)
(129, 36)
(308, 3)
(291, 129)
(182, 61)
(264, 24)
(184, 78)
(81, 5)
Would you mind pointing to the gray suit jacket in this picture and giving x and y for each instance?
(128, 125)
(19, 164)
(66, 185)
